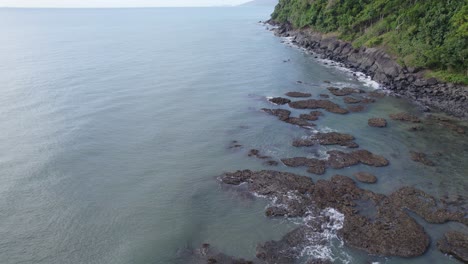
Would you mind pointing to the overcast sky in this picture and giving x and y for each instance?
(116, 3)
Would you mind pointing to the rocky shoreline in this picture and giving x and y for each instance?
(378, 224)
(408, 82)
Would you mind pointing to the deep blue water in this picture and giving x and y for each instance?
(116, 122)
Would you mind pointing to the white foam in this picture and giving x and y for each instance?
(360, 76)
(330, 229)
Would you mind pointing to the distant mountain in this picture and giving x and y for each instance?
(261, 3)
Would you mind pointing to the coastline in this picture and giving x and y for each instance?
(407, 82)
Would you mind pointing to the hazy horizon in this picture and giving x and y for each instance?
(116, 3)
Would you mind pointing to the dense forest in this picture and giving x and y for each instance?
(429, 34)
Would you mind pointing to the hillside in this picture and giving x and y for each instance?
(427, 34)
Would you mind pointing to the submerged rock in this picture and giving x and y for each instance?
(365, 177)
(375, 223)
(332, 138)
(324, 95)
(298, 94)
(377, 122)
(206, 255)
(421, 158)
(318, 104)
(344, 91)
(455, 244)
(447, 123)
(234, 145)
(256, 153)
(279, 100)
(405, 117)
(316, 166)
(356, 108)
(376, 94)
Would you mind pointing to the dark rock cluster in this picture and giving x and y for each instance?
(408, 82)
(375, 223)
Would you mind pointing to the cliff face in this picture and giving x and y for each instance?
(327, 38)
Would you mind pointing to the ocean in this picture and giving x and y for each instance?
(116, 123)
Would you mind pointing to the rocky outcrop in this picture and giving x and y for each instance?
(298, 94)
(375, 223)
(279, 100)
(337, 160)
(318, 104)
(377, 122)
(405, 81)
(284, 115)
(332, 138)
(455, 244)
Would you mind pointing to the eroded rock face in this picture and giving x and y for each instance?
(375, 223)
(318, 104)
(377, 122)
(421, 158)
(279, 100)
(332, 138)
(365, 177)
(344, 91)
(298, 94)
(455, 244)
(405, 117)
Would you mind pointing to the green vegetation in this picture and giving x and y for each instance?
(431, 34)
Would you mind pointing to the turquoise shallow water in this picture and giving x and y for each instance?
(116, 122)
